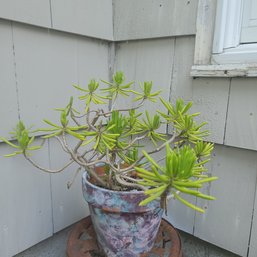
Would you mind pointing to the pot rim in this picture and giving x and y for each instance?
(133, 191)
(122, 201)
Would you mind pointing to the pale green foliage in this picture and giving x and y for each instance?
(183, 122)
(90, 94)
(107, 134)
(147, 92)
(181, 171)
(151, 126)
(117, 87)
(24, 142)
(56, 130)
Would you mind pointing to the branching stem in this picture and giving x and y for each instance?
(45, 169)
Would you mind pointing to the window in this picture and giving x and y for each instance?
(226, 38)
(249, 22)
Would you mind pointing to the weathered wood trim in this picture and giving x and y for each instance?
(204, 60)
(227, 25)
(225, 71)
(204, 31)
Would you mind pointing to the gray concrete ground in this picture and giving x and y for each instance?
(194, 247)
(55, 247)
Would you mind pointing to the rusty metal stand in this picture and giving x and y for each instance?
(82, 241)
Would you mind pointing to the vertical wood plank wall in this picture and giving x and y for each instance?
(38, 66)
(231, 213)
(44, 52)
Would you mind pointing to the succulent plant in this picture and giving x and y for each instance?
(113, 136)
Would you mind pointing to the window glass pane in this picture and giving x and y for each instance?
(249, 24)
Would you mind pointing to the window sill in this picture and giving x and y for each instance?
(224, 70)
(242, 54)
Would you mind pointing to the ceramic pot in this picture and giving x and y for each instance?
(123, 227)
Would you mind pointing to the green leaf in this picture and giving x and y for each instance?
(51, 124)
(192, 206)
(52, 135)
(187, 191)
(149, 183)
(9, 143)
(77, 135)
(150, 159)
(162, 178)
(33, 147)
(46, 130)
(13, 154)
(155, 190)
(151, 198)
(189, 183)
(210, 179)
(145, 172)
(86, 142)
(119, 77)
(31, 140)
(79, 88)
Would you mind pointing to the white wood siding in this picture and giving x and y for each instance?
(209, 97)
(253, 244)
(106, 19)
(69, 205)
(227, 220)
(149, 19)
(93, 18)
(242, 116)
(37, 70)
(236, 168)
(86, 17)
(38, 64)
(212, 104)
(25, 197)
(47, 64)
(8, 96)
(46, 68)
(134, 57)
(36, 12)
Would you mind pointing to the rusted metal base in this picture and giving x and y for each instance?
(82, 241)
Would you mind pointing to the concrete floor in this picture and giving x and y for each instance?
(55, 247)
(194, 247)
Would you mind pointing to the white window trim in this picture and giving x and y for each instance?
(227, 25)
(217, 52)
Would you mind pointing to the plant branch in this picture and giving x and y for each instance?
(73, 117)
(78, 146)
(132, 180)
(91, 126)
(62, 144)
(134, 141)
(133, 165)
(123, 110)
(164, 144)
(45, 169)
(128, 184)
(69, 184)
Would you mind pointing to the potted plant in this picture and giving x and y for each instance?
(125, 186)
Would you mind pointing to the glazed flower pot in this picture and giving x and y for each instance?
(123, 228)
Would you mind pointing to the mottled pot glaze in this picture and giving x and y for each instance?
(123, 228)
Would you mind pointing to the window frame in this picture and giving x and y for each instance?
(217, 52)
